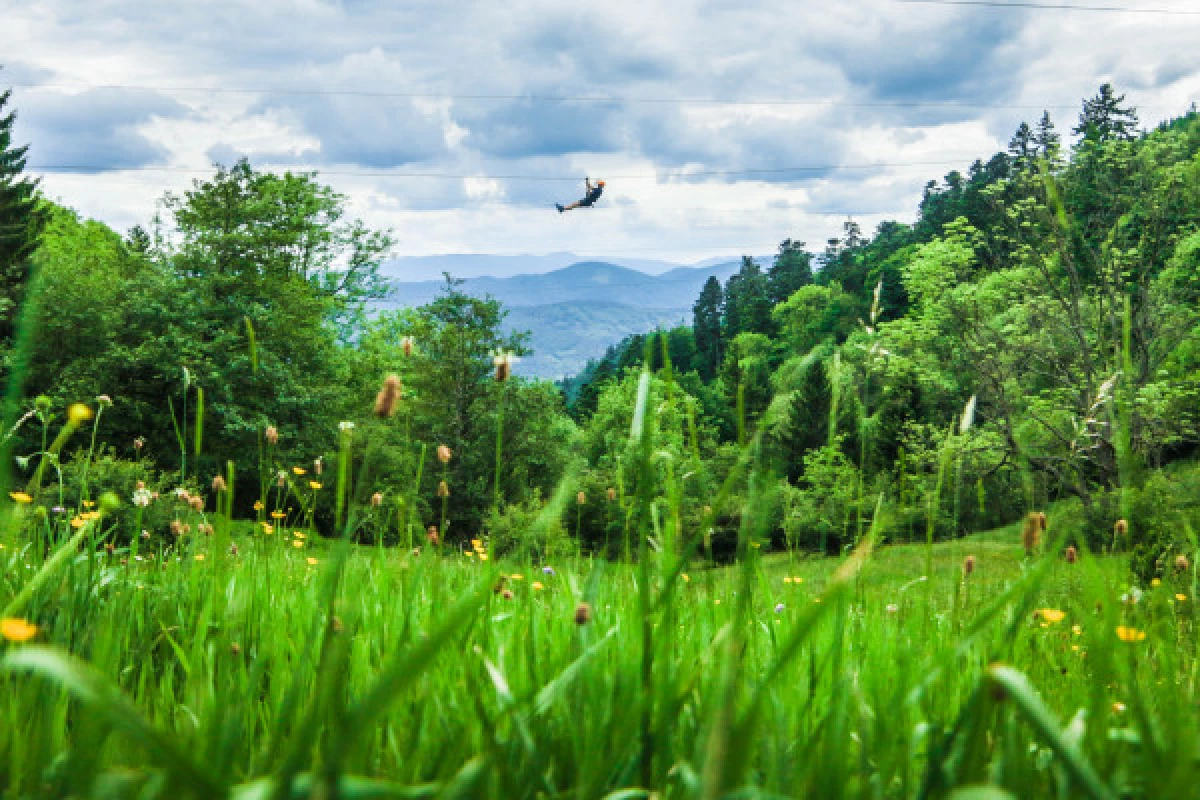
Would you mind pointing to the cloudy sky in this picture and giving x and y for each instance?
(459, 124)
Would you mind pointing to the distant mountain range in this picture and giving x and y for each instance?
(575, 312)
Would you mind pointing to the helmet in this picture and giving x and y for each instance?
(599, 183)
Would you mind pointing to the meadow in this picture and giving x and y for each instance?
(265, 661)
(912, 517)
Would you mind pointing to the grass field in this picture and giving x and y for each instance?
(296, 668)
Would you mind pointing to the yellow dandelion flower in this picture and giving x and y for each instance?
(797, 580)
(1126, 634)
(312, 562)
(537, 586)
(88, 503)
(476, 544)
(20, 497)
(787, 578)
(469, 553)
(1052, 614)
(755, 545)
(268, 528)
(17, 630)
(1156, 582)
(299, 535)
(686, 578)
(199, 556)
(517, 577)
(1075, 647)
(297, 543)
(277, 515)
(300, 470)
(717, 602)
(78, 522)
(258, 505)
(314, 485)
(1118, 707)
(483, 556)
(1181, 597)
(1077, 629)
(78, 413)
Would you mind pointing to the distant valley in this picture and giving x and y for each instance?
(575, 312)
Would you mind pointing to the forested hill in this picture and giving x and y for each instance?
(574, 313)
(1033, 335)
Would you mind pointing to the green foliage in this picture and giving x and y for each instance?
(21, 221)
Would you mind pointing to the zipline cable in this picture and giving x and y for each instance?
(1021, 4)
(555, 98)
(103, 169)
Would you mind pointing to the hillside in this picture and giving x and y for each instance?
(574, 313)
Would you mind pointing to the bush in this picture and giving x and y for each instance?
(1161, 513)
(109, 473)
(520, 531)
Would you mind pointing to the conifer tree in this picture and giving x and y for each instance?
(21, 221)
(792, 269)
(706, 325)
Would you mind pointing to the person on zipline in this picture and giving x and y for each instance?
(589, 199)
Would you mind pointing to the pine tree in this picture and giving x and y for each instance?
(747, 302)
(21, 222)
(792, 269)
(1023, 147)
(1047, 141)
(706, 326)
(1104, 118)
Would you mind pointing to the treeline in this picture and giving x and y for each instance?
(1031, 337)
(233, 329)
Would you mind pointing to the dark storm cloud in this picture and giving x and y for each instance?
(93, 130)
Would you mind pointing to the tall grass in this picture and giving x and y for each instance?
(291, 667)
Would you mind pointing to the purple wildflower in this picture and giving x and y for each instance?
(548, 570)
(779, 608)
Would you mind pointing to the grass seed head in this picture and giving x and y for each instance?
(1031, 531)
(1181, 563)
(272, 435)
(389, 395)
(580, 498)
(1121, 527)
(377, 499)
(444, 454)
(583, 614)
(503, 364)
(218, 484)
(443, 489)
(968, 565)
(1072, 554)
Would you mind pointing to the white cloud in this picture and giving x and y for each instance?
(651, 57)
